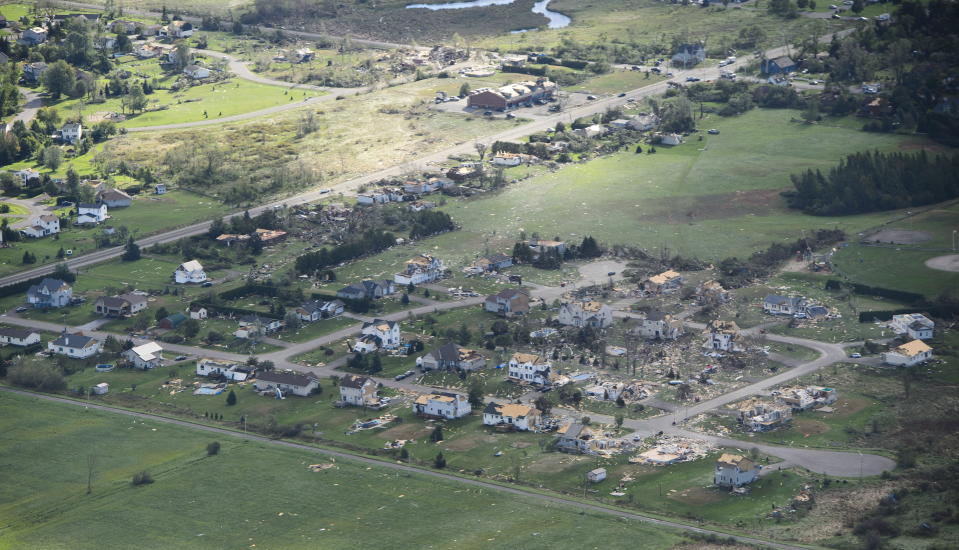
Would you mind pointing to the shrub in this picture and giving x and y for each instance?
(213, 448)
(142, 477)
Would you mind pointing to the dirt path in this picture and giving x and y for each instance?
(949, 262)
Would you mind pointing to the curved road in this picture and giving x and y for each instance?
(843, 464)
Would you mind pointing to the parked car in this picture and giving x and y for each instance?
(855, 355)
(622, 94)
(21, 309)
(712, 131)
(692, 79)
(180, 358)
(590, 97)
(207, 284)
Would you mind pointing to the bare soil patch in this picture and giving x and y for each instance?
(697, 496)
(900, 236)
(406, 431)
(849, 405)
(949, 262)
(810, 427)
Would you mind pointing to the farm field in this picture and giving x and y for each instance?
(58, 514)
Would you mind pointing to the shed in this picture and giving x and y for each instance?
(597, 475)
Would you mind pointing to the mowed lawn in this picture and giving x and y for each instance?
(250, 495)
(902, 266)
(710, 199)
(195, 103)
(149, 214)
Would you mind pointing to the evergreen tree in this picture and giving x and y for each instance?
(437, 434)
(231, 398)
(132, 251)
(439, 462)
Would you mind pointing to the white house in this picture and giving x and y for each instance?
(189, 272)
(914, 325)
(529, 368)
(50, 293)
(71, 132)
(146, 356)
(359, 391)
(643, 123)
(42, 226)
(176, 29)
(100, 389)
(227, 369)
(297, 384)
(198, 312)
(421, 269)
(519, 417)
(196, 72)
(659, 326)
(670, 139)
(507, 159)
(91, 213)
(908, 354)
(585, 314)
(783, 305)
(378, 334)
(76, 346)
(18, 337)
(735, 471)
(318, 309)
(442, 404)
(26, 175)
(722, 335)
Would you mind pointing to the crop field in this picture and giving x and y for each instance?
(203, 501)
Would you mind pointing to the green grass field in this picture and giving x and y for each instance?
(902, 266)
(710, 199)
(202, 102)
(148, 214)
(205, 502)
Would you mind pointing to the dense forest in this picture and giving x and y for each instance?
(871, 181)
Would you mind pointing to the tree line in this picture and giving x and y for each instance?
(872, 181)
(370, 242)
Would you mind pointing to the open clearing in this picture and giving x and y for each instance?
(234, 499)
(949, 262)
(900, 236)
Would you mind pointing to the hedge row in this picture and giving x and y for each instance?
(247, 290)
(226, 310)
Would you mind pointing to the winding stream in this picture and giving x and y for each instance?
(556, 20)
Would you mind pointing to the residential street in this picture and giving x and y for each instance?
(836, 463)
(348, 186)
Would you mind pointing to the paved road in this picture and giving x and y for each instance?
(551, 499)
(831, 462)
(32, 104)
(513, 134)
